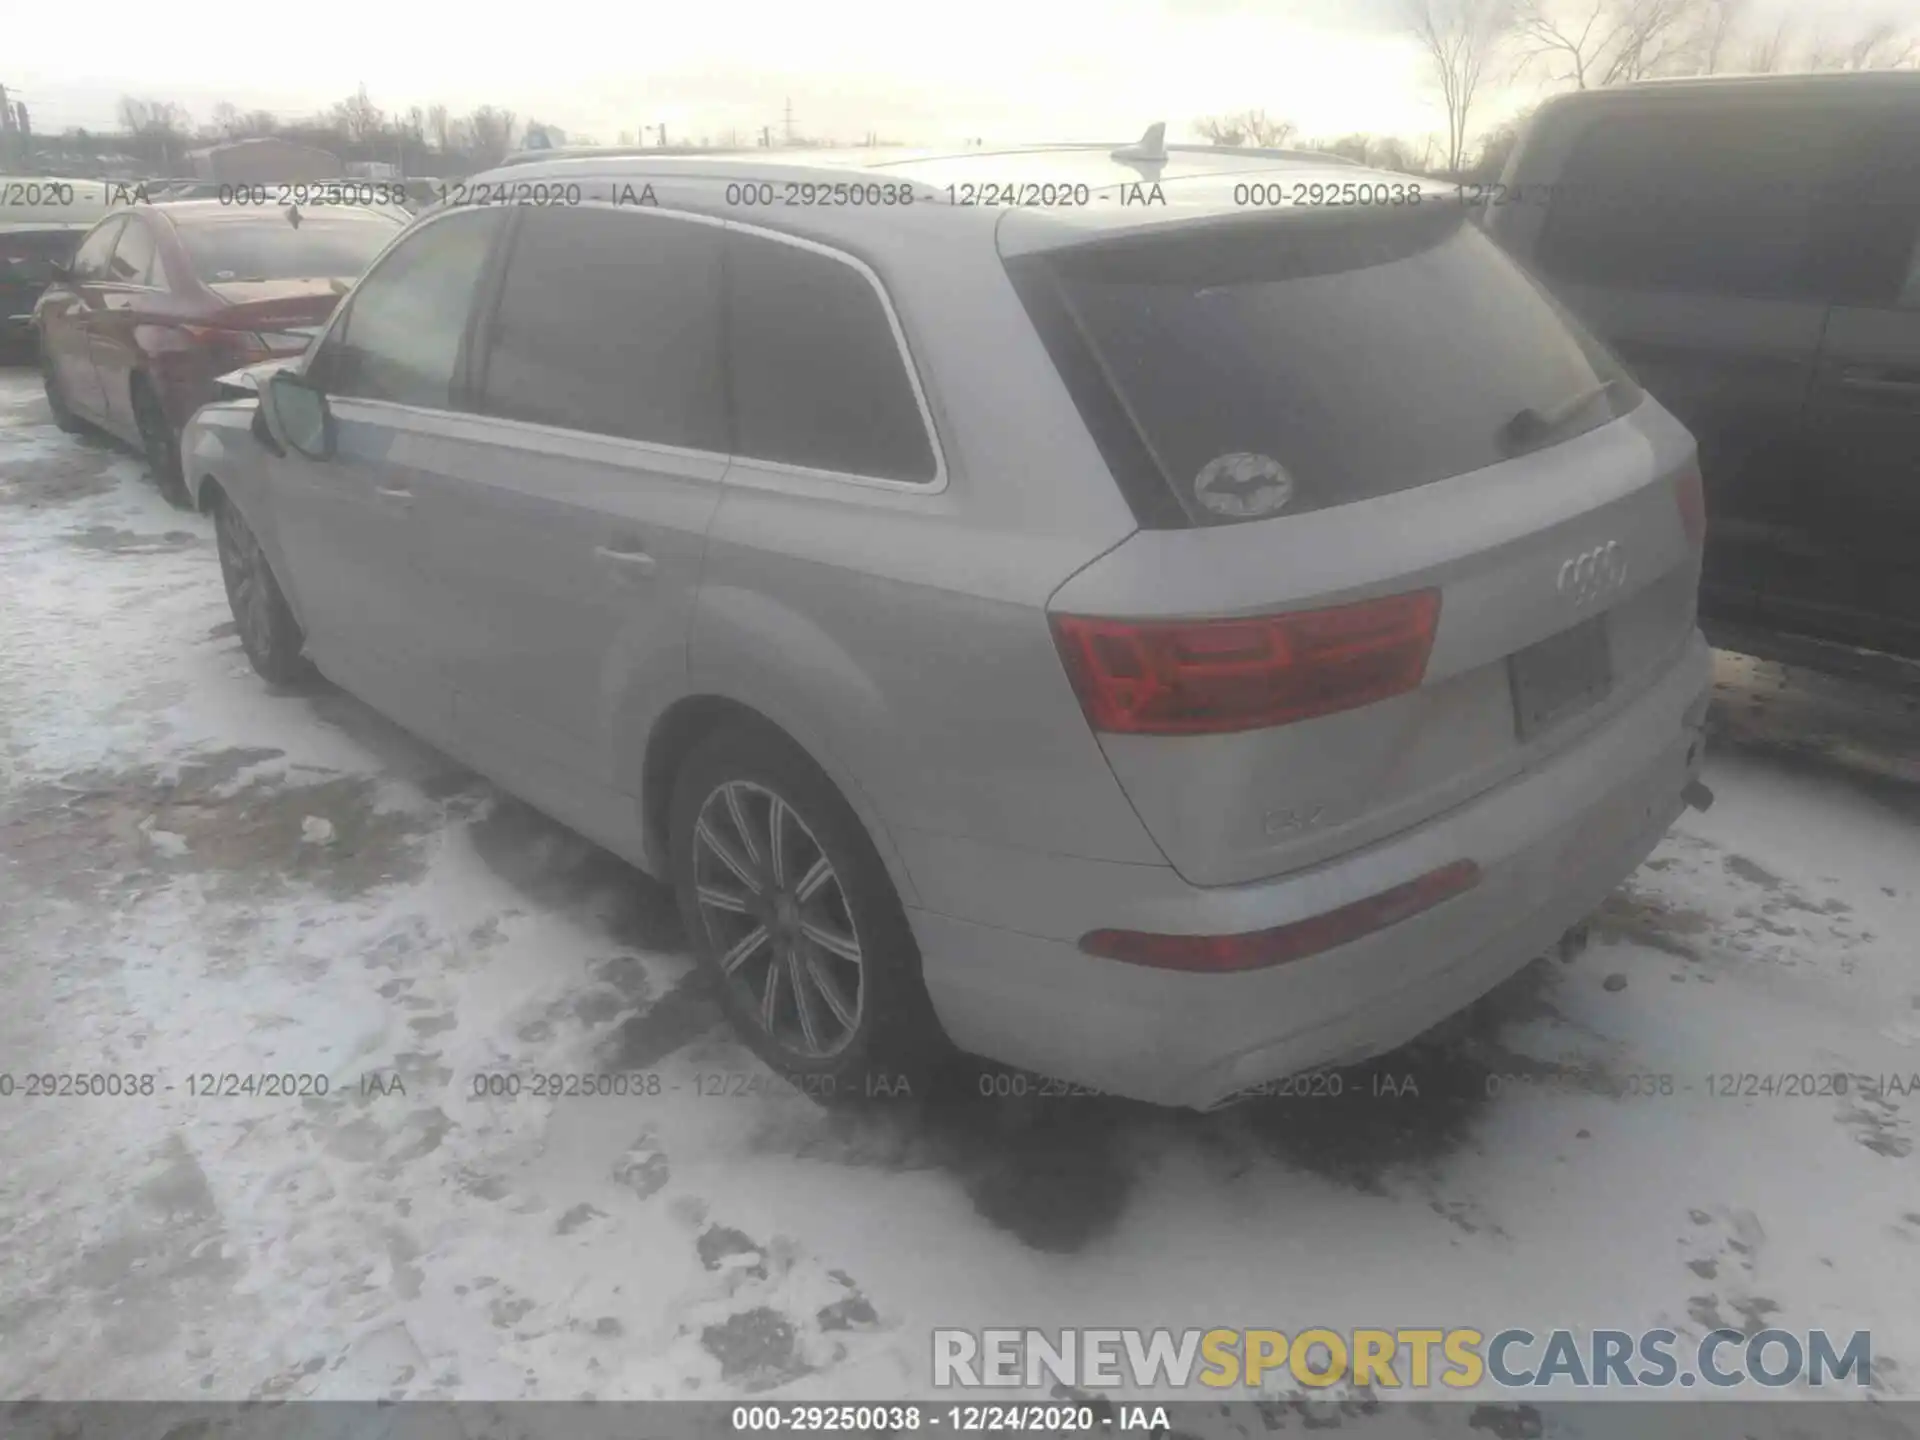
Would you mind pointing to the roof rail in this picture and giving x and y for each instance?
(1772, 77)
(614, 152)
(1271, 153)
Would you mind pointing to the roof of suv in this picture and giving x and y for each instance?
(1876, 83)
(1192, 179)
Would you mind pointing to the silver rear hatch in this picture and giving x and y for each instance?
(1407, 530)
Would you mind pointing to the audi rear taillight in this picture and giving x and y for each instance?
(1260, 949)
(1208, 677)
(1691, 494)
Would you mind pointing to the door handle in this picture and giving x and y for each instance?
(636, 564)
(396, 496)
(1881, 382)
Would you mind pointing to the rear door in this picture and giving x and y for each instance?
(1856, 576)
(1681, 234)
(70, 317)
(566, 527)
(1428, 533)
(122, 299)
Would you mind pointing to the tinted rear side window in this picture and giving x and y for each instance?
(1866, 239)
(1291, 366)
(1721, 202)
(90, 261)
(609, 322)
(267, 247)
(818, 378)
(133, 255)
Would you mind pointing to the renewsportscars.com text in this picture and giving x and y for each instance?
(1459, 1358)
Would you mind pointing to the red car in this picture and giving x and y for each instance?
(159, 300)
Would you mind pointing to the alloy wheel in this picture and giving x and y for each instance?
(777, 915)
(244, 567)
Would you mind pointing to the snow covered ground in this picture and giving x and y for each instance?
(201, 877)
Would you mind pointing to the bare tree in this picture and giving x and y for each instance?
(491, 134)
(1361, 149)
(153, 117)
(256, 123)
(439, 128)
(225, 119)
(1246, 127)
(1460, 38)
(1490, 159)
(1393, 153)
(1718, 30)
(1610, 42)
(1767, 54)
(358, 118)
(1879, 47)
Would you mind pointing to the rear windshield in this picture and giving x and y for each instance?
(269, 248)
(1254, 371)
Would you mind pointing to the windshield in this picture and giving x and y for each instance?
(269, 248)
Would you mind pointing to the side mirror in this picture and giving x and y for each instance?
(301, 414)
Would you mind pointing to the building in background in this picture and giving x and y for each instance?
(265, 161)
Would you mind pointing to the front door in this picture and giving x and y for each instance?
(391, 364)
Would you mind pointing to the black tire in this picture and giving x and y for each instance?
(896, 1046)
(57, 399)
(160, 445)
(270, 635)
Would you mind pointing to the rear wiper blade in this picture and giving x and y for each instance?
(1533, 425)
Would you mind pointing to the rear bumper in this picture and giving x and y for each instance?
(998, 928)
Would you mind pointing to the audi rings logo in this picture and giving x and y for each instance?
(1593, 574)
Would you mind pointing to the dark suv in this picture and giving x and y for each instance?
(1749, 246)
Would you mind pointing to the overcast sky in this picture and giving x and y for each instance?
(927, 73)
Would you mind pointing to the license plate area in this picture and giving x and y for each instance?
(1560, 676)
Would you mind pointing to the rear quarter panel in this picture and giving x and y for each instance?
(901, 633)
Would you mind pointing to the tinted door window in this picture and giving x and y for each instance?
(1868, 225)
(818, 378)
(1720, 202)
(400, 339)
(90, 260)
(132, 262)
(610, 322)
(1909, 297)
